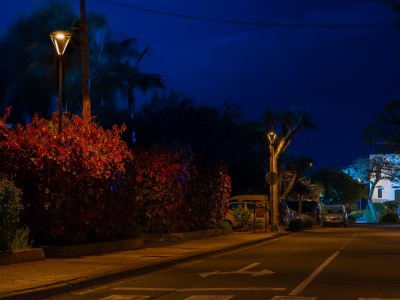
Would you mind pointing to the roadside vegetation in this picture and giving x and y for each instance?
(169, 166)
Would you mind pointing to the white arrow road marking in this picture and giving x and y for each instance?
(240, 271)
(125, 297)
(293, 298)
(210, 297)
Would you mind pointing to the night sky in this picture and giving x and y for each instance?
(266, 53)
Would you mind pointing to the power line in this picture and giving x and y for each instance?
(261, 24)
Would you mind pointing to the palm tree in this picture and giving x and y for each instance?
(108, 73)
(142, 81)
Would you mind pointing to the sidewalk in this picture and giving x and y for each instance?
(39, 279)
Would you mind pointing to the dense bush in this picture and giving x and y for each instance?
(308, 223)
(10, 208)
(392, 206)
(85, 185)
(241, 216)
(208, 192)
(296, 224)
(351, 219)
(161, 183)
(357, 214)
(174, 195)
(380, 209)
(74, 184)
(390, 218)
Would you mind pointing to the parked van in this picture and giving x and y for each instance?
(309, 207)
(255, 207)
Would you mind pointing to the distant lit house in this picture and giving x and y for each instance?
(386, 190)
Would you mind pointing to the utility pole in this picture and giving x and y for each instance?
(85, 63)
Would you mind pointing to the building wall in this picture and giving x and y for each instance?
(386, 191)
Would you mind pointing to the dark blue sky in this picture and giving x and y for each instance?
(342, 76)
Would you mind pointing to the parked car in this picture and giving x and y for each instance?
(334, 215)
(310, 208)
(250, 206)
(286, 215)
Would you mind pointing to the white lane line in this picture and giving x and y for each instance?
(199, 289)
(318, 270)
(314, 274)
(144, 289)
(232, 289)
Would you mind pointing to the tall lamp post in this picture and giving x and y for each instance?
(272, 179)
(60, 41)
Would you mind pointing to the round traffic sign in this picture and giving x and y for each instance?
(271, 178)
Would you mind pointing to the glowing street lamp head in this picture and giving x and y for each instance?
(60, 40)
(271, 136)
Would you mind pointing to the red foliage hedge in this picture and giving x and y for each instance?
(74, 185)
(85, 185)
(174, 194)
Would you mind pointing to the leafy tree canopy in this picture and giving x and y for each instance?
(370, 170)
(340, 188)
(213, 134)
(385, 129)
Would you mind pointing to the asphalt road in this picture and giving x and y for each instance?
(358, 262)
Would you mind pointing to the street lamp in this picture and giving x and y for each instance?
(60, 41)
(273, 179)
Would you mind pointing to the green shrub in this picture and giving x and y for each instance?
(308, 223)
(357, 214)
(241, 216)
(392, 206)
(224, 225)
(297, 224)
(380, 209)
(10, 208)
(390, 218)
(21, 239)
(351, 218)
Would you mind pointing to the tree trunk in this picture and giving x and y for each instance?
(85, 64)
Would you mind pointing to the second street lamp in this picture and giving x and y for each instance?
(272, 178)
(60, 41)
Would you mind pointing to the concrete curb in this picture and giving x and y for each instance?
(21, 256)
(92, 249)
(72, 285)
(35, 254)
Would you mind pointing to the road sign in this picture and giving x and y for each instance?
(271, 178)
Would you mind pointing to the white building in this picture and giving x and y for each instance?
(386, 190)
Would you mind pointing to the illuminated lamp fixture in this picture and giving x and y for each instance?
(271, 136)
(60, 41)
